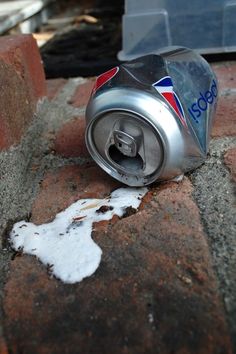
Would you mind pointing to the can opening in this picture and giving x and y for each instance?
(132, 163)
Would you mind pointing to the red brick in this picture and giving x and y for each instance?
(226, 75)
(225, 120)
(22, 78)
(230, 161)
(17, 109)
(3, 346)
(69, 141)
(54, 87)
(62, 187)
(22, 53)
(155, 290)
(225, 123)
(82, 94)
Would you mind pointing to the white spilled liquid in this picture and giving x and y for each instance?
(65, 244)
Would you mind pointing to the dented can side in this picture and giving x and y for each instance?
(138, 120)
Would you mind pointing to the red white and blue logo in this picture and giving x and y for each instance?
(165, 87)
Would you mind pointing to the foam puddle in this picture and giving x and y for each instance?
(65, 244)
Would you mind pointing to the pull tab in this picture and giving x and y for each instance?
(126, 143)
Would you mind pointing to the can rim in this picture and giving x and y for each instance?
(110, 169)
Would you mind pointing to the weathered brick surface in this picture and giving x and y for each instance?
(62, 187)
(17, 109)
(69, 141)
(22, 84)
(54, 87)
(21, 52)
(154, 292)
(226, 75)
(3, 346)
(230, 161)
(82, 94)
(225, 120)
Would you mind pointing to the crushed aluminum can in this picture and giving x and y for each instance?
(150, 119)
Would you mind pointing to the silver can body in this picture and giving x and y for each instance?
(150, 119)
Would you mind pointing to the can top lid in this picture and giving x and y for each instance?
(126, 146)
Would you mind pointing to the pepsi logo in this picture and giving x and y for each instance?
(165, 87)
(203, 102)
